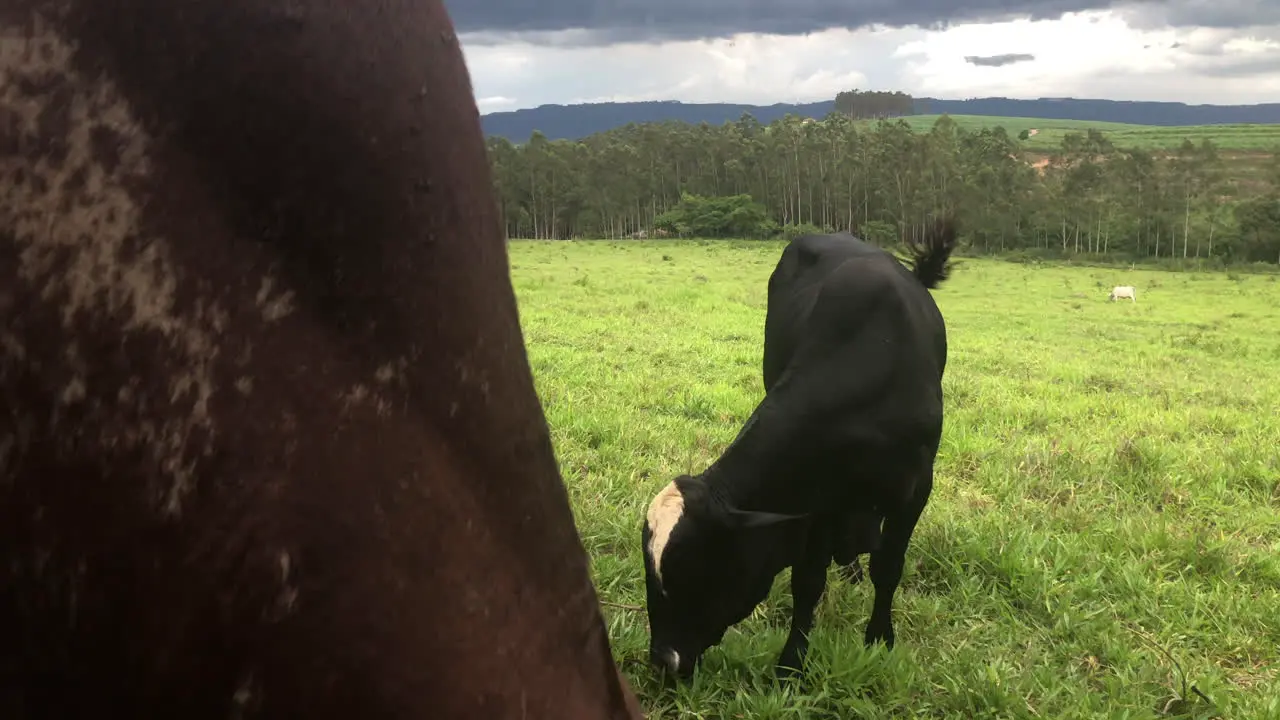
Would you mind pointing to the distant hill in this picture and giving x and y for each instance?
(576, 121)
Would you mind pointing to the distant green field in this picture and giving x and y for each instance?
(1108, 473)
(1227, 137)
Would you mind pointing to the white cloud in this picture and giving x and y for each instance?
(757, 69)
(1070, 55)
(495, 102)
(1084, 55)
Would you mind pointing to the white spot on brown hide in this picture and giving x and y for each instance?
(354, 396)
(128, 391)
(390, 377)
(392, 372)
(467, 376)
(246, 698)
(75, 170)
(664, 512)
(273, 307)
(288, 591)
(74, 391)
(12, 347)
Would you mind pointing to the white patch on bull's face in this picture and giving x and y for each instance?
(664, 512)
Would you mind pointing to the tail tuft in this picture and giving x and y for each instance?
(930, 256)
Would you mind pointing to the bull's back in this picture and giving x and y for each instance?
(848, 276)
(805, 264)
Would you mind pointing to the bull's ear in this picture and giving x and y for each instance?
(753, 518)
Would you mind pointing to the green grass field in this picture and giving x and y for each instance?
(1257, 138)
(1109, 472)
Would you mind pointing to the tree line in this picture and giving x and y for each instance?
(885, 181)
(874, 104)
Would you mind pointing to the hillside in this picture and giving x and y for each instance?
(1046, 135)
(576, 121)
(1245, 150)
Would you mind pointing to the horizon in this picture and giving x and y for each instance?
(924, 98)
(574, 52)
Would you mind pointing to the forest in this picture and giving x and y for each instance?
(884, 180)
(573, 122)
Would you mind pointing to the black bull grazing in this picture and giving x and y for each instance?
(269, 443)
(844, 440)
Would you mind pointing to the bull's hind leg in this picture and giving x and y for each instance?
(887, 562)
(854, 534)
(808, 581)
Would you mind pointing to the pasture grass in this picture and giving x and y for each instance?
(1107, 501)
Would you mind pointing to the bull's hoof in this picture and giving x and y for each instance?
(876, 635)
(786, 673)
(791, 662)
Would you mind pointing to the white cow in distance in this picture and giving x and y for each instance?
(1120, 292)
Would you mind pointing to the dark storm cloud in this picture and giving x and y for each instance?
(608, 21)
(1202, 13)
(998, 60)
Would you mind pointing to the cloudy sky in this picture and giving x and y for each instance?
(524, 53)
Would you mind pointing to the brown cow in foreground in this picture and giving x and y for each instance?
(269, 443)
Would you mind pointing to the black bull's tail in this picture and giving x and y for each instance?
(930, 255)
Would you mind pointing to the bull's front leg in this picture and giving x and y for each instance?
(808, 581)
